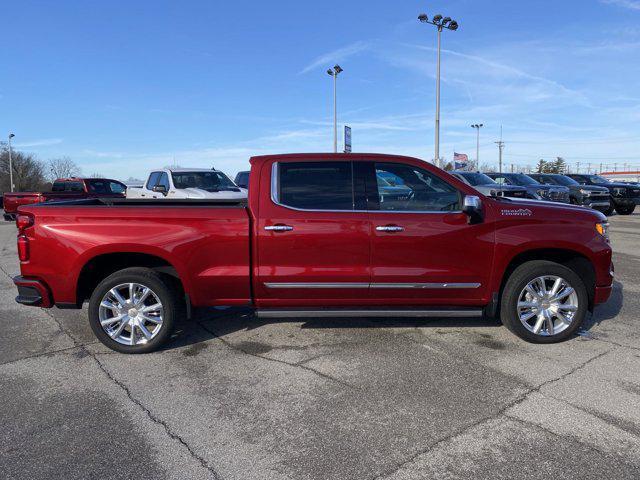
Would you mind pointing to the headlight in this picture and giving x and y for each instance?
(543, 193)
(585, 192)
(603, 229)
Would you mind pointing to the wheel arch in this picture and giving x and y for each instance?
(100, 266)
(571, 259)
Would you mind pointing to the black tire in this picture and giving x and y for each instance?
(625, 209)
(162, 288)
(609, 211)
(520, 277)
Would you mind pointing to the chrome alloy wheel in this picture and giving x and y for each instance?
(547, 305)
(131, 314)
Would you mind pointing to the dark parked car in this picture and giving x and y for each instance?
(591, 196)
(242, 180)
(487, 186)
(535, 189)
(623, 197)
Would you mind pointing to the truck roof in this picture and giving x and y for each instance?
(185, 170)
(330, 156)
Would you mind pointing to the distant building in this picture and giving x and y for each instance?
(630, 176)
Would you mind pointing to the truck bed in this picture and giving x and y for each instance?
(206, 242)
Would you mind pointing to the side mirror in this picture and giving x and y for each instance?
(472, 207)
(160, 189)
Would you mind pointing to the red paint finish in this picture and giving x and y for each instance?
(224, 256)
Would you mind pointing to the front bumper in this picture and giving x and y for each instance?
(33, 293)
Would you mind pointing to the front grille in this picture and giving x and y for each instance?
(516, 194)
(559, 196)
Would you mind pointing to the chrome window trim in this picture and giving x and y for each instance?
(444, 285)
(275, 198)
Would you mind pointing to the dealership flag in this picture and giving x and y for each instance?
(460, 160)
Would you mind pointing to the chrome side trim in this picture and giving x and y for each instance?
(425, 285)
(317, 285)
(370, 285)
(285, 313)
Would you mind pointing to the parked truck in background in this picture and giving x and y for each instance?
(535, 189)
(315, 239)
(195, 183)
(590, 196)
(624, 197)
(64, 189)
(487, 186)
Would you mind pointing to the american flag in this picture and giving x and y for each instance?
(460, 160)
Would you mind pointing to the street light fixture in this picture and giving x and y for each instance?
(11, 135)
(477, 126)
(334, 72)
(440, 23)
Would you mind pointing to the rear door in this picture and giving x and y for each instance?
(423, 251)
(313, 235)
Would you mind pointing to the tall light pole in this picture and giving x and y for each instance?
(334, 72)
(440, 24)
(11, 135)
(477, 126)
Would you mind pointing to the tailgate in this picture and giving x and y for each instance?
(14, 200)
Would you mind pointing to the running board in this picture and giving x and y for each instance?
(350, 312)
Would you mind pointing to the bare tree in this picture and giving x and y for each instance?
(97, 175)
(63, 167)
(28, 171)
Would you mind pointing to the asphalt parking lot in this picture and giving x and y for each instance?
(234, 397)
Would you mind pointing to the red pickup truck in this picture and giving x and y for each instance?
(320, 236)
(64, 189)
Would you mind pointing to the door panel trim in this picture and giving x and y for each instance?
(426, 285)
(316, 285)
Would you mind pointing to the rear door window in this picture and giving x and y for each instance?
(57, 187)
(315, 185)
(74, 187)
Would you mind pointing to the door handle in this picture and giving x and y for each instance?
(389, 228)
(278, 228)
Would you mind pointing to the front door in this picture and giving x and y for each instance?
(423, 250)
(313, 236)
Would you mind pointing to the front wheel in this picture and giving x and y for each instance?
(625, 209)
(133, 310)
(544, 302)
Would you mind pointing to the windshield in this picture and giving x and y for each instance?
(105, 186)
(564, 181)
(597, 179)
(477, 178)
(522, 179)
(209, 181)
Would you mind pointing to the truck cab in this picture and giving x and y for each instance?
(196, 183)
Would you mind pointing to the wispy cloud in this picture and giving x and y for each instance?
(45, 142)
(336, 56)
(632, 4)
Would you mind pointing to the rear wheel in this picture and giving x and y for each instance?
(625, 209)
(544, 302)
(133, 310)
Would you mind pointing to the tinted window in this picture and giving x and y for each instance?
(477, 178)
(74, 187)
(316, 185)
(117, 187)
(242, 179)
(211, 181)
(564, 180)
(58, 187)
(153, 180)
(414, 189)
(164, 180)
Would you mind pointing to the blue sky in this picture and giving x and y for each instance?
(123, 87)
